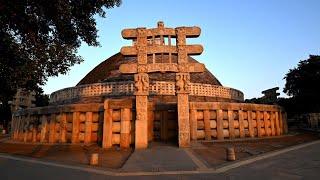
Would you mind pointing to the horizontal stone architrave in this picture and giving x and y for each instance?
(156, 88)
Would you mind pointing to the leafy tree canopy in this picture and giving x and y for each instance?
(302, 83)
(40, 38)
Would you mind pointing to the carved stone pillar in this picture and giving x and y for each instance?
(142, 91)
(182, 81)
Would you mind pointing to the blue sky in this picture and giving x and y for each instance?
(249, 45)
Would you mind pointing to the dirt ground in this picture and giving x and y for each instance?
(70, 154)
(215, 153)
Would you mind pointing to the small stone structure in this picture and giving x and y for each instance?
(153, 92)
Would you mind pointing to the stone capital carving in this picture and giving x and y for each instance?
(182, 82)
(141, 84)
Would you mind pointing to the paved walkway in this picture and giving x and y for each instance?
(296, 163)
(160, 157)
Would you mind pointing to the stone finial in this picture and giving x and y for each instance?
(160, 24)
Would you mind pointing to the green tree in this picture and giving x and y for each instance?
(40, 38)
(302, 83)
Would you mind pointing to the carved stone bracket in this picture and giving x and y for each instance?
(182, 83)
(141, 84)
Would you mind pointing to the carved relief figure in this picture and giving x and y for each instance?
(182, 84)
(141, 83)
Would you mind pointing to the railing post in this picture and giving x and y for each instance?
(107, 126)
(220, 135)
(241, 124)
(88, 128)
(75, 127)
(125, 128)
(207, 128)
(63, 128)
(231, 124)
(193, 124)
(251, 131)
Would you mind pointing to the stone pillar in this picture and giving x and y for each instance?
(281, 122)
(63, 128)
(182, 90)
(141, 91)
(220, 135)
(125, 128)
(241, 124)
(88, 128)
(141, 124)
(277, 123)
(183, 120)
(207, 128)
(107, 126)
(141, 139)
(231, 124)
(251, 131)
(258, 117)
(75, 127)
(272, 124)
(266, 128)
(193, 124)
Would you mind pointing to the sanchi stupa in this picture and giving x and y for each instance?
(150, 91)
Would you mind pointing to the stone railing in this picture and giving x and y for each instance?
(75, 123)
(156, 88)
(221, 120)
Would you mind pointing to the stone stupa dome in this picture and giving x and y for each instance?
(108, 71)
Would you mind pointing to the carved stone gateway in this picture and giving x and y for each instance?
(77, 114)
(151, 42)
